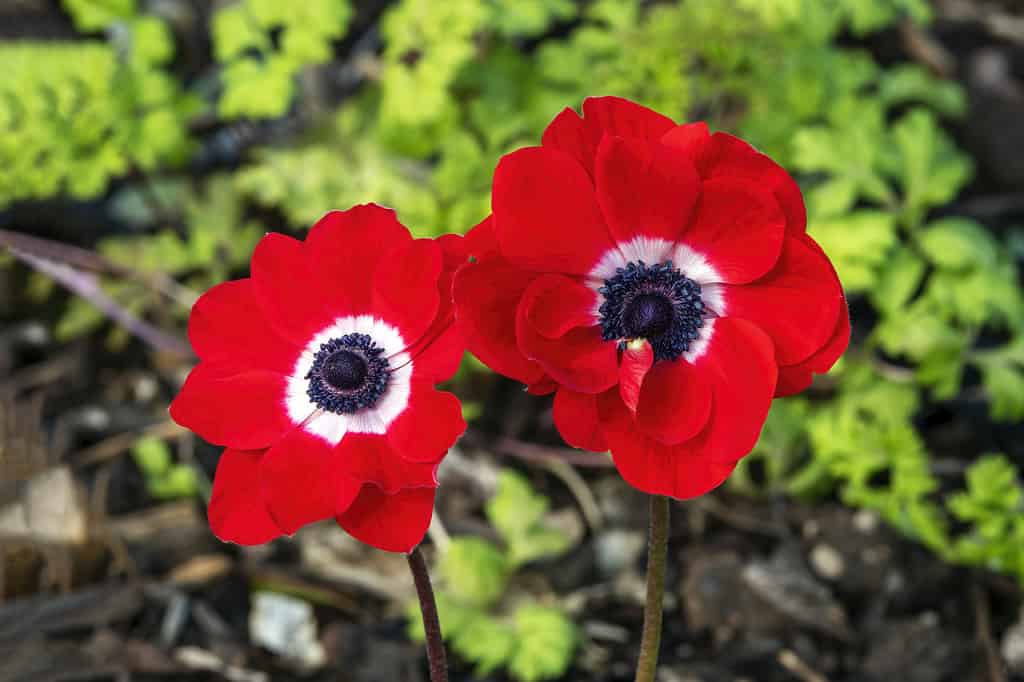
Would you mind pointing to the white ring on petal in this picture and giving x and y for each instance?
(332, 427)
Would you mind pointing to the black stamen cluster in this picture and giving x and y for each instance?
(349, 374)
(653, 302)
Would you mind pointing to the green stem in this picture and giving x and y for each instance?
(657, 550)
(431, 624)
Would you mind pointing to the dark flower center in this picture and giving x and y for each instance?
(349, 374)
(345, 370)
(653, 302)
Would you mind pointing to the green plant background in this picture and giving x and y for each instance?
(455, 85)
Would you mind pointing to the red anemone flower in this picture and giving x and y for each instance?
(661, 280)
(318, 374)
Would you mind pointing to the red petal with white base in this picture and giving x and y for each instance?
(732, 217)
(636, 361)
(546, 216)
(561, 305)
(345, 250)
(242, 410)
(288, 288)
(227, 327)
(652, 466)
(580, 359)
(486, 299)
(394, 523)
(797, 303)
(301, 481)
(721, 155)
(576, 418)
(429, 425)
(372, 458)
(645, 189)
(405, 287)
(675, 402)
(236, 512)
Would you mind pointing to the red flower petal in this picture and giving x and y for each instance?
(345, 248)
(371, 458)
(645, 189)
(654, 467)
(228, 327)
(560, 304)
(580, 359)
(621, 117)
(675, 402)
(429, 425)
(576, 418)
(635, 363)
(543, 386)
(486, 298)
(394, 523)
(579, 137)
(288, 289)
(740, 366)
(797, 303)
(569, 134)
(242, 410)
(722, 155)
(731, 216)
(546, 216)
(481, 241)
(795, 378)
(236, 511)
(301, 481)
(438, 358)
(405, 288)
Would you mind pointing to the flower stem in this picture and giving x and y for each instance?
(431, 625)
(657, 549)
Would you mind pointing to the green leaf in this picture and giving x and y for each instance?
(958, 243)
(858, 244)
(152, 456)
(932, 170)
(180, 482)
(96, 15)
(1002, 373)
(515, 509)
(484, 641)
(475, 571)
(906, 83)
(546, 642)
(898, 280)
(235, 31)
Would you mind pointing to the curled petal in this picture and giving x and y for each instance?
(486, 298)
(429, 425)
(345, 249)
(546, 216)
(731, 216)
(244, 410)
(236, 511)
(576, 418)
(301, 481)
(722, 155)
(228, 328)
(392, 522)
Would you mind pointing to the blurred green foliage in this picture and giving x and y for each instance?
(486, 621)
(457, 84)
(164, 478)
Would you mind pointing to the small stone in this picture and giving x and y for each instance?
(1012, 646)
(617, 550)
(286, 627)
(827, 561)
(866, 521)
